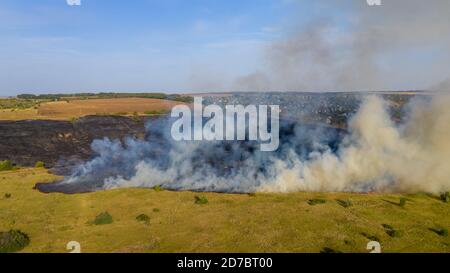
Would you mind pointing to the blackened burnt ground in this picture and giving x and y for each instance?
(62, 143)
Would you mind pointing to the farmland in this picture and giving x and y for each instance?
(70, 109)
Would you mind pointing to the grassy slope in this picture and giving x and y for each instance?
(228, 223)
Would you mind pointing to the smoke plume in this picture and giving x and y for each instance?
(374, 154)
(400, 45)
(379, 156)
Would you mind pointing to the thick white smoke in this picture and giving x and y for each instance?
(375, 155)
(378, 155)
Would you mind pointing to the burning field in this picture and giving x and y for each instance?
(287, 126)
(373, 154)
(328, 188)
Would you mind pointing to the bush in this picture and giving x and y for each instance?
(371, 237)
(39, 164)
(316, 201)
(440, 231)
(6, 165)
(391, 231)
(445, 197)
(345, 203)
(13, 241)
(103, 218)
(156, 210)
(349, 242)
(402, 202)
(201, 200)
(394, 233)
(386, 226)
(158, 188)
(7, 195)
(143, 218)
(443, 232)
(329, 250)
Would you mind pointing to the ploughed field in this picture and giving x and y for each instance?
(153, 220)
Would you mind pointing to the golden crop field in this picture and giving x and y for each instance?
(225, 223)
(63, 110)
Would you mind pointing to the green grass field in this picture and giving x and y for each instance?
(225, 223)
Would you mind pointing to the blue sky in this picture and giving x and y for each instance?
(139, 45)
(47, 46)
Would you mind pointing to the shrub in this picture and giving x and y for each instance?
(156, 210)
(158, 188)
(6, 165)
(402, 202)
(7, 195)
(440, 231)
(329, 250)
(371, 237)
(103, 218)
(316, 201)
(13, 241)
(392, 231)
(39, 164)
(201, 200)
(143, 218)
(386, 226)
(345, 203)
(349, 242)
(443, 232)
(445, 197)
